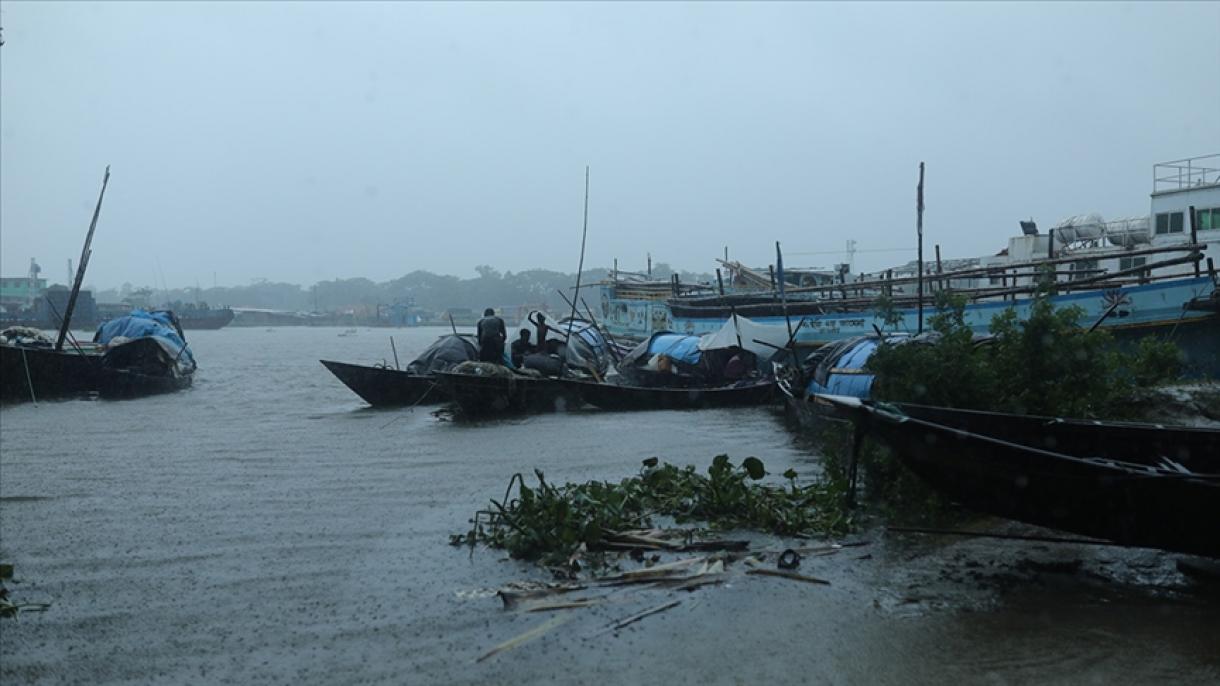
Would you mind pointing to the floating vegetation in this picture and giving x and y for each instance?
(557, 524)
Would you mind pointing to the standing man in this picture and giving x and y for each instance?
(491, 335)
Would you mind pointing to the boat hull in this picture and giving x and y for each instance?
(1128, 502)
(480, 396)
(122, 384)
(608, 396)
(206, 320)
(383, 387)
(42, 373)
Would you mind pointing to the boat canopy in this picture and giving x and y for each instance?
(447, 351)
(586, 349)
(841, 370)
(678, 347)
(746, 334)
(159, 324)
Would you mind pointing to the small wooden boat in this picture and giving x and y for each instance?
(482, 395)
(381, 386)
(611, 396)
(1144, 485)
(387, 387)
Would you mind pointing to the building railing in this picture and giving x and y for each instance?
(1188, 173)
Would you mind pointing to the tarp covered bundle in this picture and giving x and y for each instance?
(159, 325)
(447, 352)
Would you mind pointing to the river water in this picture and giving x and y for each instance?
(266, 526)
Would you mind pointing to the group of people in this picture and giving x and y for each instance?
(493, 334)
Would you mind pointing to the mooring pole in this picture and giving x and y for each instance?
(1194, 236)
(720, 281)
(940, 285)
(919, 231)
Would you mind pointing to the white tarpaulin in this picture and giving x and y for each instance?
(748, 332)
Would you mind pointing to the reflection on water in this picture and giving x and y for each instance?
(265, 524)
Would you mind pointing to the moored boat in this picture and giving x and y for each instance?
(573, 348)
(1133, 484)
(145, 353)
(383, 386)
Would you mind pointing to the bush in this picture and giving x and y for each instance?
(1045, 364)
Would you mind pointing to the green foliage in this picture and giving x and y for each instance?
(551, 522)
(1156, 362)
(885, 310)
(1046, 364)
(947, 373)
(1043, 364)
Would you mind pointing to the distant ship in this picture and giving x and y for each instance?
(200, 316)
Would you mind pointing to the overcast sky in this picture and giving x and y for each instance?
(301, 142)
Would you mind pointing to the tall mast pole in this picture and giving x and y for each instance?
(80, 268)
(919, 230)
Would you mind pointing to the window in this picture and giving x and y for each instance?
(1083, 269)
(1125, 263)
(1208, 219)
(1168, 222)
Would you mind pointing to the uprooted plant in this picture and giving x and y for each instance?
(551, 523)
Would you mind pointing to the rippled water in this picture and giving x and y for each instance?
(266, 525)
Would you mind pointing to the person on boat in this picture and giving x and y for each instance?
(541, 326)
(735, 368)
(491, 334)
(521, 347)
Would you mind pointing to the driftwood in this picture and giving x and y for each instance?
(525, 637)
(788, 575)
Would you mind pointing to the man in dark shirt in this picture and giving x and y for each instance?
(521, 347)
(491, 334)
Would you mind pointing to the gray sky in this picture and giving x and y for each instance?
(311, 141)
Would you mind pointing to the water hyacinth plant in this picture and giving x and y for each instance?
(552, 523)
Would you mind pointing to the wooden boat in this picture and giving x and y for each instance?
(507, 393)
(36, 372)
(387, 387)
(381, 386)
(611, 396)
(1142, 485)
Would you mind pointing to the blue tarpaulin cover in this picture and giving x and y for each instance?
(844, 371)
(677, 346)
(141, 324)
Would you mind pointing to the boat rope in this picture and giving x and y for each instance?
(29, 382)
(412, 406)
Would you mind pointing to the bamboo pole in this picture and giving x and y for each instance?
(581, 266)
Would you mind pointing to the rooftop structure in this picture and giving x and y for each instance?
(1192, 172)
